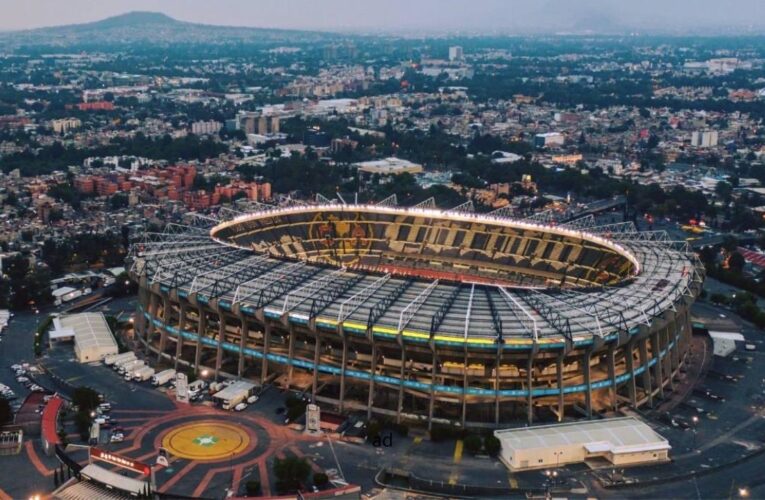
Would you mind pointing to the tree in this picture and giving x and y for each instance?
(736, 262)
(85, 398)
(724, 190)
(24, 285)
(252, 487)
(492, 445)
(6, 413)
(472, 444)
(320, 479)
(290, 473)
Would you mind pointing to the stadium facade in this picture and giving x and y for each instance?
(419, 313)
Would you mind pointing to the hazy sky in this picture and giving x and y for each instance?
(406, 15)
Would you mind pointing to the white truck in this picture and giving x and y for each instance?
(124, 362)
(234, 394)
(116, 358)
(196, 387)
(131, 367)
(143, 374)
(130, 373)
(162, 377)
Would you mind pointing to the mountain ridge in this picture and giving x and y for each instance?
(136, 27)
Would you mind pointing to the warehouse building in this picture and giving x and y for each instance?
(616, 441)
(93, 339)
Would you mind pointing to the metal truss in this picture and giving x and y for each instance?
(530, 323)
(247, 289)
(411, 309)
(227, 214)
(320, 198)
(390, 201)
(616, 228)
(378, 310)
(586, 222)
(310, 289)
(442, 311)
(496, 319)
(203, 221)
(174, 228)
(242, 271)
(183, 273)
(465, 207)
(429, 203)
(350, 305)
(183, 268)
(506, 211)
(545, 217)
(283, 286)
(550, 314)
(337, 289)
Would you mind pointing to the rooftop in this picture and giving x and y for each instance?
(90, 329)
(618, 435)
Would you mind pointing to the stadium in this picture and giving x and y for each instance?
(423, 314)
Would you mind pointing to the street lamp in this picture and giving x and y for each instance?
(695, 421)
(205, 373)
(743, 492)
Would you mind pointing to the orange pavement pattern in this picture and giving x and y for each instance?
(180, 440)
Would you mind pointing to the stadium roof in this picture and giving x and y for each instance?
(188, 259)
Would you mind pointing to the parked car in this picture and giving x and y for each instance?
(240, 407)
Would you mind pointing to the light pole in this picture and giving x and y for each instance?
(695, 421)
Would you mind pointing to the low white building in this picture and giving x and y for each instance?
(619, 441)
(389, 166)
(93, 339)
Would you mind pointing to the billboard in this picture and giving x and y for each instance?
(119, 461)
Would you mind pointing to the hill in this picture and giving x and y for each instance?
(138, 27)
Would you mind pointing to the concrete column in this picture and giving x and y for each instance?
(432, 400)
(559, 375)
(588, 382)
(657, 368)
(266, 347)
(201, 329)
(647, 387)
(219, 347)
(668, 369)
(153, 306)
(371, 395)
(401, 374)
(290, 356)
(244, 332)
(182, 320)
(342, 372)
(316, 353)
(675, 335)
(498, 366)
(631, 384)
(464, 388)
(529, 387)
(612, 375)
(167, 320)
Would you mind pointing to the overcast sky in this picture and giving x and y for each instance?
(406, 15)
